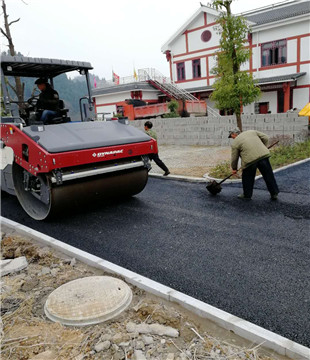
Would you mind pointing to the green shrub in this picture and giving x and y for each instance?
(221, 170)
(171, 115)
(284, 155)
(173, 106)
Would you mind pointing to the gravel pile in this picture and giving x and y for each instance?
(194, 161)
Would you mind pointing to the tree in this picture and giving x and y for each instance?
(19, 86)
(233, 88)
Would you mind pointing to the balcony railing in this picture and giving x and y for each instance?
(142, 75)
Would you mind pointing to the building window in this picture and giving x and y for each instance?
(206, 36)
(274, 53)
(181, 71)
(196, 69)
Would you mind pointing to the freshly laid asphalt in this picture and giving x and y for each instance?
(249, 258)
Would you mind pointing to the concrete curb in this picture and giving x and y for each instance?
(227, 321)
(178, 178)
(207, 178)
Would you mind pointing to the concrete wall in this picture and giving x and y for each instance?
(214, 131)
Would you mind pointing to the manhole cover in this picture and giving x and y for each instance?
(88, 300)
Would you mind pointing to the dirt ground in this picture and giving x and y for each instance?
(192, 161)
(28, 334)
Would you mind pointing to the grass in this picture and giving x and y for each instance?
(280, 156)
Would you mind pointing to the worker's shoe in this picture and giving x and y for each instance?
(166, 173)
(274, 197)
(242, 197)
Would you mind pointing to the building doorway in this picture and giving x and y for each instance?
(263, 108)
(280, 101)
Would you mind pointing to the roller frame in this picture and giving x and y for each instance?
(39, 161)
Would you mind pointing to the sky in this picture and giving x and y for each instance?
(119, 35)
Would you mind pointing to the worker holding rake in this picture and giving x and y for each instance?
(251, 147)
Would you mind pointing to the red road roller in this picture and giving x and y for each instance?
(60, 164)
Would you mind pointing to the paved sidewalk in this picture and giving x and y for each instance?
(194, 161)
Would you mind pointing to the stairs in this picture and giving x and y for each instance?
(172, 90)
(155, 78)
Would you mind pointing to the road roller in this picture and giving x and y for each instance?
(61, 164)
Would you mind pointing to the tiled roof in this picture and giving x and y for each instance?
(289, 77)
(279, 13)
(273, 79)
(142, 85)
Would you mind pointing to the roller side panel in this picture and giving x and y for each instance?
(35, 159)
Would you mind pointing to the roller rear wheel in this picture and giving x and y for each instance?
(40, 198)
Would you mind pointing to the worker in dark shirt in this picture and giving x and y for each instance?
(147, 127)
(48, 100)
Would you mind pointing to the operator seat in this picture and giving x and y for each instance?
(62, 113)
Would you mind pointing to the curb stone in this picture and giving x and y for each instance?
(227, 321)
(206, 178)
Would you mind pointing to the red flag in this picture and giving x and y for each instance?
(95, 82)
(115, 78)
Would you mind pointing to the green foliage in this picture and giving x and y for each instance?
(284, 155)
(280, 156)
(221, 170)
(171, 115)
(173, 106)
(233, 87)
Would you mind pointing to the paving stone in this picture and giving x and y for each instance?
(10, 266)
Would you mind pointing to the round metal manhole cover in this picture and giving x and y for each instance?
(89, 300)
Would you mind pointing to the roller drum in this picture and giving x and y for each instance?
(75, 194)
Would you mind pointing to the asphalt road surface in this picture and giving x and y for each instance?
(249, 258)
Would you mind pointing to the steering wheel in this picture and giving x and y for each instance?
(33, 101)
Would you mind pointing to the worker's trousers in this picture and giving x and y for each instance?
(248, 177)
(48, 115)
(158, 162)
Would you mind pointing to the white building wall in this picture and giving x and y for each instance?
(107, 109)
(285, 70)
(283, 31)
(304, 80)
(149, 95)
(112, 98)
(211, 104)
(272, 98)
(256, 51)
(245, 66)
(188, 70)
(249, 109)
(292, 51)
(305, 48)
(179, 45)
(212, 62)
(287, 29)
(301, 97)
(193, 56)
(211, 18)
(211, 81)
(195, 43)
(199, 21)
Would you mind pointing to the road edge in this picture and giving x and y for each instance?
(206, 178)
(241, 327)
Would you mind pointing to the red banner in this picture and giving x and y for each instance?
(115, 78)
